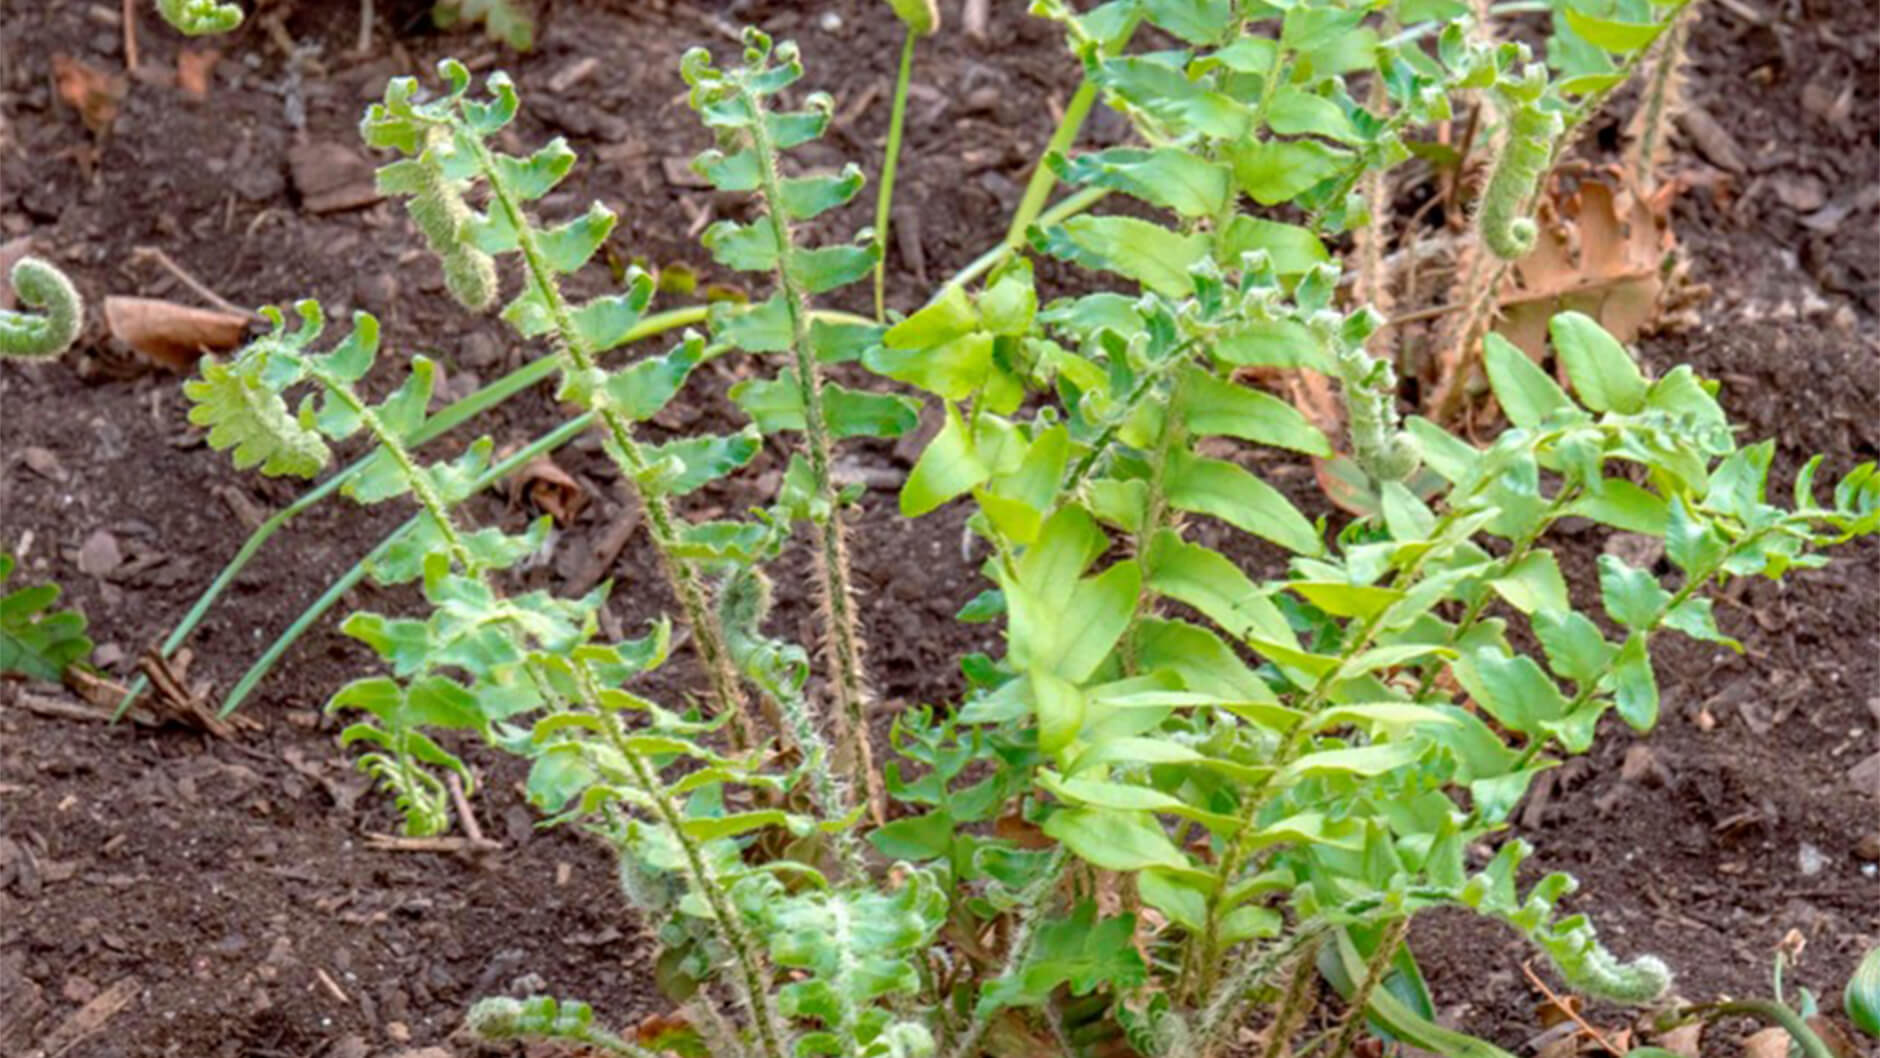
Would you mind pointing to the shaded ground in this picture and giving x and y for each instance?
(228, 883)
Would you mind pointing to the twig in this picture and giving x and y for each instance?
(1566, 1008)
(151, 253)
(130, 36)
(65, 709)
(974, 18)
(446, 843)
(332, 986)
(472, 830)
(364, 43)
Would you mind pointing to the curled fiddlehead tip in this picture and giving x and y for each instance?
(1527, 150)
(39, 285)
(497, 1018)
(1599, 973)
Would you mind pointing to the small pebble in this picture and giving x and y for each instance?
(1810, 859)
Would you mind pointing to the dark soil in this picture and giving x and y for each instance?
(223, 887)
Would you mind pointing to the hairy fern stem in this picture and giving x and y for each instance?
(843, 646)
(578, 360)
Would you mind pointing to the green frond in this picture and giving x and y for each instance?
(37, 641)
(245, 413)
(200, 17)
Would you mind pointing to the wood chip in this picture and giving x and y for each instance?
(1711, 139)
(90, 1019)
(678, 172)
(330, 177)
(173, 335)
(100, 555)
(573, 74)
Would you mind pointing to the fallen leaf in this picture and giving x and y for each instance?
(193, 69)
(1604, 254)
(551, 488)
(96, 94)
(330, 177)
(1772, 1042)
(1684, 1040)
(170, 334)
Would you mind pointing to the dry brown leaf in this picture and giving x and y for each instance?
(551, 489)
(193, 69)
(1836, 1038)
(1685, 1040)
(170, 334)
(96, 94)
(1772, 1042)
(1603, 254)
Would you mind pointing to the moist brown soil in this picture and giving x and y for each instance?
(223, 888)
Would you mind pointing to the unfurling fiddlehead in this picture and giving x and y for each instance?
(200, 17)
(1369, 385)
(41, 286)
(1526, 151)
(437, 207)
(1525, 155)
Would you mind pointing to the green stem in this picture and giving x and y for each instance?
(1771, 1012)
(752, 984)
(1038, 189)
(578, 359)
(1374, 972)
(1218, 1015)
(1068, 207)
(1515, 557)
(1024, 929)
(415, 478)
(844, 645)
(264, 664)
(1509, 7)
(443, 422)
(884, 198)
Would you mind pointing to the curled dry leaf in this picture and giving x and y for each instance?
(1684, 1040)
(551, 489)
(173, 335)
(96, 94)
(1772, 1042)
(1605, 255)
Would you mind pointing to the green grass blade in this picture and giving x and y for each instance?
(258, 671)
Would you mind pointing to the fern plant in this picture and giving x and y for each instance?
(36, 641)
(1180, 793)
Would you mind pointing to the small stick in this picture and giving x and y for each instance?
(1565, 1008)
(472, 830)
(365, 27)
(130, 36)
(332, 986)
(446, 843)
(974, 18)
(151, 253)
